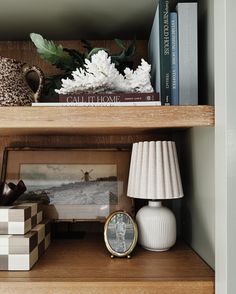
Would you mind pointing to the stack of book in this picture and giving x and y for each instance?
(24, 236)
(173, 53)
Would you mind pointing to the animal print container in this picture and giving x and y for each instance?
(14, 88)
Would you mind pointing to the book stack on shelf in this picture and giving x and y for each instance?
(173, 53)
(24, 236)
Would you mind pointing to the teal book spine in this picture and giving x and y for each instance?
(165, 75)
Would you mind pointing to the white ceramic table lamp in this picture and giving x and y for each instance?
(154, 175)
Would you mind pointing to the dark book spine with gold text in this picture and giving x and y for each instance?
(108, 97)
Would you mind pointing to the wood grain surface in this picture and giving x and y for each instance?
(122, 287)
(84, 266)
(101, 120)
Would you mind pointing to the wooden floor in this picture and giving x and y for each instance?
(84, 266)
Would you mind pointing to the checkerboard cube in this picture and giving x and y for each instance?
(19, 219)
(21, 252)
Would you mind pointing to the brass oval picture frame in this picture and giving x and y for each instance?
(120, 234)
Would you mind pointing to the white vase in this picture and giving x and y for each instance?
(157, 227)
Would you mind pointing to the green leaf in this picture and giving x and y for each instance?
(120, 43)
(76, 56)
(52, 53)
(131, 49)
(95, 51)
(119, 57)
(87, 45)
(53, 82)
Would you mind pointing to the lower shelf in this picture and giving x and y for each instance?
(84, 266)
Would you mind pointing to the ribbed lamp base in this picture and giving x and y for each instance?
(157, 227)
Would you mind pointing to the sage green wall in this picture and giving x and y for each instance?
(198, 211)
(225, 25)
(199, 169)
(231, 144)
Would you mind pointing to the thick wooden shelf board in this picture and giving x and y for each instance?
(84, 266)
(101, 120)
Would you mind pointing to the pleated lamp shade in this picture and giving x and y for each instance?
(154, 171)
(154, 175)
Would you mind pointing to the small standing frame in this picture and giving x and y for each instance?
(120, 234)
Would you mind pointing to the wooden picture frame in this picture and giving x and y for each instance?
(82, 184)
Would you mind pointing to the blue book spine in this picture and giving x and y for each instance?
(174, 60)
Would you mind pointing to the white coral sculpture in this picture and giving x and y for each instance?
(100, 75)
(139, 80)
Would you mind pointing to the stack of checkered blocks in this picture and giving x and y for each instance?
(24, 236)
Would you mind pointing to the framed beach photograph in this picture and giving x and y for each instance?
(78, 184)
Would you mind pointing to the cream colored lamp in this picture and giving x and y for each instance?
(154, 175)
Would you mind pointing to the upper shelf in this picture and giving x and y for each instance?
(75, 19)
(101, 120)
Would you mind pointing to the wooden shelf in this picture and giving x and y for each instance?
(83, 266)
(101, 120)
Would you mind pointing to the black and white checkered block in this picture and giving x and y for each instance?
(20, 219)
(21, 252)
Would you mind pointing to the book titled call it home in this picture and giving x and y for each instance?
(109, 97)
(106, 99)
